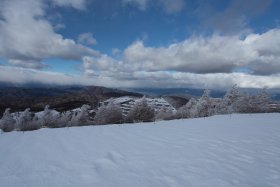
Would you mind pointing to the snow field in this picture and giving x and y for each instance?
(226, 150)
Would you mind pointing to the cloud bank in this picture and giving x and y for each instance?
(255, 54)
(140, 79)
(26, 37)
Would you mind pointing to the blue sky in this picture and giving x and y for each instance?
(116, 25)
(141, 43)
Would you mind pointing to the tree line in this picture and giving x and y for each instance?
(234, 101)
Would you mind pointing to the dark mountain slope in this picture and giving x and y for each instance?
(60, 99)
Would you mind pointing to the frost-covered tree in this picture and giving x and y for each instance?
(233, 101)
(110, 114)
(223, 108)
(189, 110)
(260, 102)
(164, 114)
(236, 101)
(182, 112)
(46, 116)
(74, 119)
(100, 116)
(204, 107)
(50, 118)
(243, 104)
(84, 114)
(80, 117)
(26, 121)
(264, 100)
(192, 108)
(64, 119)
(7, 122)
(141, 112)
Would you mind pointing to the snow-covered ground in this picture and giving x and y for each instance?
(237, 150)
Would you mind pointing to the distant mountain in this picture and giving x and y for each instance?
(191, 92)
(59, 98)
(186, 92)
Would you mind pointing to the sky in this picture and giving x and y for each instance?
(141, 43)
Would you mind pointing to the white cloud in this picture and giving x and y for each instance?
(24, 75)
(211, 80)
(258, 53)
(87, 38)
(26, 37)
(59, 26)
(116, 52)
(27, 63)
(101, 65)
(214, 61)
(198, 55)
(140, 79)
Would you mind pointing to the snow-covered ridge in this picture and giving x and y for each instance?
(127, 102)
(239, 150)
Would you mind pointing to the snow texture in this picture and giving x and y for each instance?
(230, 150)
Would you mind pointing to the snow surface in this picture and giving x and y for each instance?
(230, 150)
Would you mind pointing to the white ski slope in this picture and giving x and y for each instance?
(236, 150)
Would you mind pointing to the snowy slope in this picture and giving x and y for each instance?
(236, 150)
